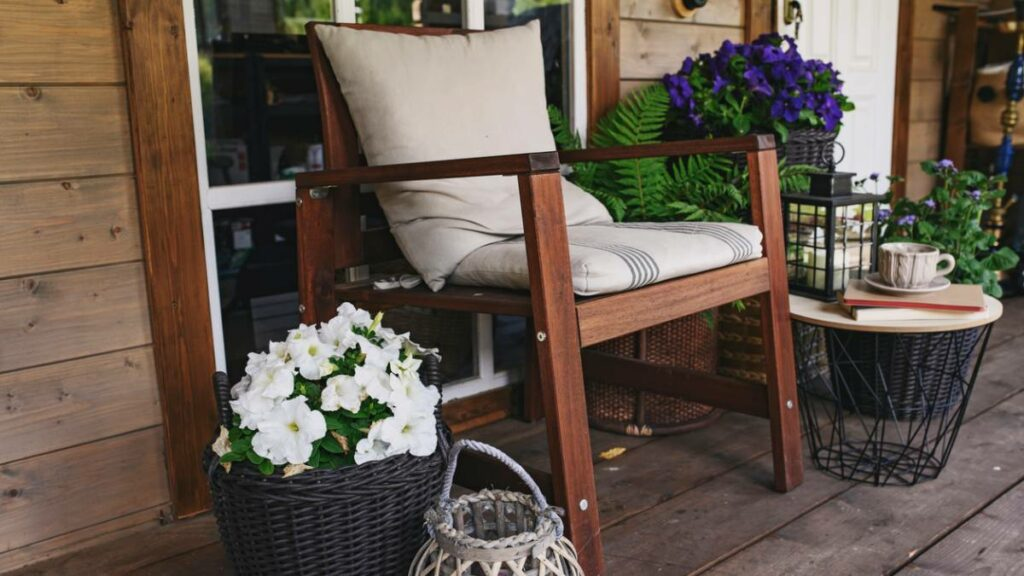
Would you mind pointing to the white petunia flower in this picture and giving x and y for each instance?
(286, 434)
(408, 368)
(357, 316)
(342, 392)
(372, 447)
(240, 387)
(409, 431)
(338, 334)
(311, 356)
(411, 394)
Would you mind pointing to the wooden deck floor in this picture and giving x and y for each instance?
(701, 503)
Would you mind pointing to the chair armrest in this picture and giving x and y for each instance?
(753, 143)
(510, 165)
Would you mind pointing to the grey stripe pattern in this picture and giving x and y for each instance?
(642, 267)
(742, 249)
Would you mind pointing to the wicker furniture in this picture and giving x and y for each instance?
(887, 404)
(364, 520)
(330, 236)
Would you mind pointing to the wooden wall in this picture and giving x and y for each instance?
(81, 441)
(654, 40)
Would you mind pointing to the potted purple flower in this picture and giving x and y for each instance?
(762, 87)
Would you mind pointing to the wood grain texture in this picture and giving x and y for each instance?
(719, 12)
(929, 62)
(759, 18)
(918, 184)
(652, 49)
(153, 34)
(55, 493)
(70, 403)
(52, 317)
(989, 543)
(961, 81)
(904, 95)
(926, 100)
(55, 225)
(603, 58)
(478, 410)
(627, 87)
(558, 363)
(923, 143)
(63, 131)
(60, 42)
(607, 317)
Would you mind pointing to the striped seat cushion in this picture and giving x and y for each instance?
(623, 256)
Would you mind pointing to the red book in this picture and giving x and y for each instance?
(961, 297)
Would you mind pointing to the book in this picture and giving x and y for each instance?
(960, 297)
(882, 314)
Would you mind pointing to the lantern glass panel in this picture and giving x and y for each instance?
(829, 241)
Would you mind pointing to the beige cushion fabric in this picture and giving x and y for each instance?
(422, 98)
(615, 257)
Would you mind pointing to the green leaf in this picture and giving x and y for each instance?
(330, 444)
(232, 457)
(254, 457)
(1002, 259)
(741, 124)
(266, 468)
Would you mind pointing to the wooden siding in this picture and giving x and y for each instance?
(81, 439)
(654, 40)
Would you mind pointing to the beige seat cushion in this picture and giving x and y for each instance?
(422, 98)
(615, 257)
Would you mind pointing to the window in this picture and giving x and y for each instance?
(257, 126)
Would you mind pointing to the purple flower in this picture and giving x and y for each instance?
(975, 194)
(929, 203)
(718, 83)
(907, 220)
(945, 164)
(884, 214)
(756, 82)
(874, 176)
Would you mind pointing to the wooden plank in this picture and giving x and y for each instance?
(924, 141)
(52, 317)
(961, 80)
(70, 403)
(55, 493)
(627, 87)
(606, 317)
(63, 131)
(926, 100)
(558, 363)
(918, 184)
(903, 97)
(603, 54)
(80, 542)
(929, 62)
(902, 522)
(55, 225)
(478, 410)
(209, 560)
(930, 24)
(60, 42)
(653, 49)
(170, 208)
(759, 19)
(989, 543)
(719, 13)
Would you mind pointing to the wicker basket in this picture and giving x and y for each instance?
(361, 520)
(689, 342)
(810, 146)
(741, 347)
(494, 532)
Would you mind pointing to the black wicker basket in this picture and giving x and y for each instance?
(810, 146)
(362, 520)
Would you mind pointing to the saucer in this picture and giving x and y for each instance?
(875, 281)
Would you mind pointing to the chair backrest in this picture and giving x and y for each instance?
(353, 245)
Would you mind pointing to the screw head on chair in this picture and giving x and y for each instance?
(541, 336)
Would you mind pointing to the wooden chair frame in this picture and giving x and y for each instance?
(330, 237)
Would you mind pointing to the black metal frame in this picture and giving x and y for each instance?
(881, 417)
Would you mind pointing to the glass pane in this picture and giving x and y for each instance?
(554, 32)
(260, 111)
(509, 342)
(432, 13)
(257, 273)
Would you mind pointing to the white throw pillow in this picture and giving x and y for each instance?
(423, 98)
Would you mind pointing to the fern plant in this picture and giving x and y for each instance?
(709, 187)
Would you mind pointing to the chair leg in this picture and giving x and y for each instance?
(783, 409)
(533, 397)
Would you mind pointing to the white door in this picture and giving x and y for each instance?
(859, 38)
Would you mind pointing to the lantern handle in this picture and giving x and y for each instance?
(832, 162)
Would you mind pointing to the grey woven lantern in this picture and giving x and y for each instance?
(494, 532)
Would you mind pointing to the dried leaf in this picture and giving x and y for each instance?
(612, 453)
(222, 445)
(342, 441)
(293, 469)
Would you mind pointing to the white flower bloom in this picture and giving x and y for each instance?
(338, 334)
(377, 356)
(407, 368)
(374, 382)
(357, 316)
(410, 431)
(286, 434)
(372, 447)
(278, 350)
(240, 388)
(311, 356)
(411, 394)
(342, 392)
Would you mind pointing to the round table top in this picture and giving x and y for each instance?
(832, 315)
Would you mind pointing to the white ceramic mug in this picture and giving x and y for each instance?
(912, 265)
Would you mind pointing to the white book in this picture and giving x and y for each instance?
(866, 314)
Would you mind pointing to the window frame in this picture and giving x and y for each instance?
(232, 196)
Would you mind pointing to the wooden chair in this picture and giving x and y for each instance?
(331, 237)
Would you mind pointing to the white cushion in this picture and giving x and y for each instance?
(422, 98)
(615, 257)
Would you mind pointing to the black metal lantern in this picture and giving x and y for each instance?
(829, 241)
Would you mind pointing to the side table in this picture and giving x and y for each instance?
(882, 402)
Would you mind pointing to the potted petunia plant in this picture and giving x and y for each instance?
(332, 436)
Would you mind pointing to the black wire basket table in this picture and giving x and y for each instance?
(882, 402)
